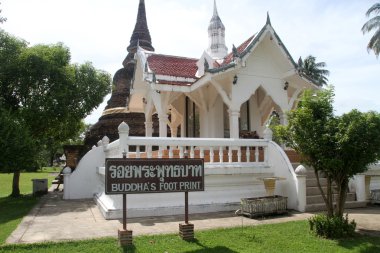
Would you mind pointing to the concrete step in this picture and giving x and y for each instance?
(312, 182)
(310, 174)
(314, 190)
(322, 207)
(318, 199)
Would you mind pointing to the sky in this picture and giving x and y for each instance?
(99, 31)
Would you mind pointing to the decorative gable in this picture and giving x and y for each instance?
(204, 64)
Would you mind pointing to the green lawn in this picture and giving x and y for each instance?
(25, 180)
(285, 237)
(12, 210)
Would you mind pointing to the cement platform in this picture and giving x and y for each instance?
(55, 219)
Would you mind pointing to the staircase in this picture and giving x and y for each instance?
(314, 199)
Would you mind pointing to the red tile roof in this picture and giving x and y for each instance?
(173, 65)
(177, 66)
(240, 50)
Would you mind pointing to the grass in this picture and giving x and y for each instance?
(12, 210)
(25, 180)
(284, 237)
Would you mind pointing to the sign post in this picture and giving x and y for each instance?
(186, 231)
(136, 176)
(124, 235)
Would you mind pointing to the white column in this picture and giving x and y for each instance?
(66, 179)
(174, 131)
(301, 188)
(183, 132)
(123, 137)
(163, 122)
(234, 123)
(148, 128)
(283, 118)
(367, 180)
(268, 134)
(360, 187)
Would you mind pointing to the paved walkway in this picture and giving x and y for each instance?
(54, 219)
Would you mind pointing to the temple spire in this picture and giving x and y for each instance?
(141, 32)
(215, 9)
(216, 34)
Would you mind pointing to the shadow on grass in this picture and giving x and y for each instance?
(217, 249)
(205, 249)
(363, 243)
(14, 208)
(129, 249)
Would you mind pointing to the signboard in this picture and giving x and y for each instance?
(131, 175)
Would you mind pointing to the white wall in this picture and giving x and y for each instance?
(225, 184)
(283, 168)
(83, 182)
(216, 127)
(224, 187)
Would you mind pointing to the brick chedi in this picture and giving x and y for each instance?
(116, 110)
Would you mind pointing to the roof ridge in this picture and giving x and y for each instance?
(228, 58)
(174, 56)
(249, 41)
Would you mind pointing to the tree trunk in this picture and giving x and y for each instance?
(16, 184)
(342, 196)
(52, 159)
(326, 197)
(330, 206)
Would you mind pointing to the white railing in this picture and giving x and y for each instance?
(213, 150)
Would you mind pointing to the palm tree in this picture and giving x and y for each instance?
(314, 70)
(373, 24)
(2, 19)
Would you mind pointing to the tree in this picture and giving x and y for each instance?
(48, 93)
(337, 146)
(55, 147)
(373, 24)
(18, 151)
(314, 69)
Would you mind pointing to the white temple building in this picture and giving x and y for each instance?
(237, 90)
(208, 104)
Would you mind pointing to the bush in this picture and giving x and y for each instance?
(332, 227)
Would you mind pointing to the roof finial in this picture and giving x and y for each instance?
(215, 9)
(268, 19)
(235, 52)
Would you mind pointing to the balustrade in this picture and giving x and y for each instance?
(228, 151)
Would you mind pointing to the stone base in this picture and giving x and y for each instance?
(125, 237)
(254, 207)
(106, 205)
(186, 231)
